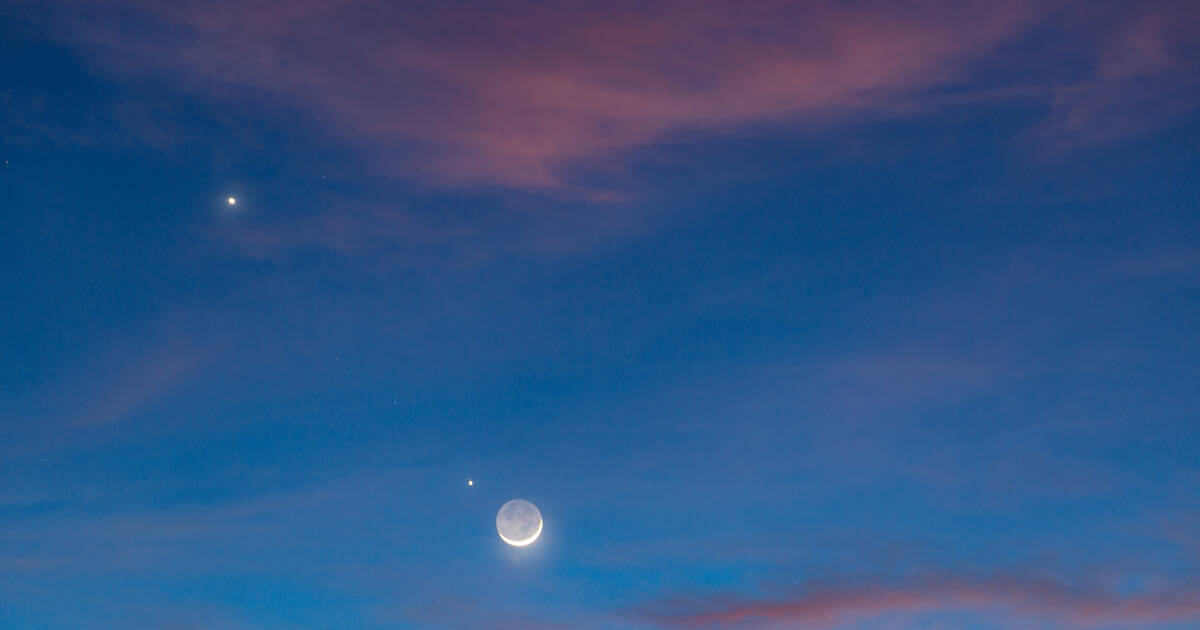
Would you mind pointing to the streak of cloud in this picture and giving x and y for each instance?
(516, 94)
(559, 100)
(1143, 76)
(832, 605)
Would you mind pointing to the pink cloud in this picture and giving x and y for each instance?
(518, 93)
(552, 99)
(833, 605)
(1145, 74)
(137, 384)
(125, 376)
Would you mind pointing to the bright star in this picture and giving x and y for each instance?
(231, 201)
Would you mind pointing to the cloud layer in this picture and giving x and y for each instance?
(1003, 597)
(516, 93)
(520, 95)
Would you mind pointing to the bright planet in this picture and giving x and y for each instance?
(519, 523)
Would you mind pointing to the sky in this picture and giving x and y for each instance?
(786, 315)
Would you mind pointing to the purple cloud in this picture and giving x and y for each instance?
(1007, 599)
(517, 93)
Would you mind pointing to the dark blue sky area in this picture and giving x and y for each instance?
(815, 317)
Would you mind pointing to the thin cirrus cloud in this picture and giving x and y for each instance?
(1003, 599)
(522, 95)
(1144, 74)
(517, 94)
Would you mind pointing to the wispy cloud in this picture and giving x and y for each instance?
(1144, 74)
(517, 93)
(156, 541)
(134, 384)
(400, 235)
(1005, 599)
(558, 100)
(345, 231)
(116, 381)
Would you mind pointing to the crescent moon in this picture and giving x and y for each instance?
(527, 541)
(519, 523)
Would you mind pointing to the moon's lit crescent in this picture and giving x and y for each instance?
(527, 541)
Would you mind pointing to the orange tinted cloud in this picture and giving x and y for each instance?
(830, 606)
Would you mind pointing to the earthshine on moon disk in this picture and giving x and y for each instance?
(519, 523)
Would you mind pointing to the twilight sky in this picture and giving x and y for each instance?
(787, 315)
